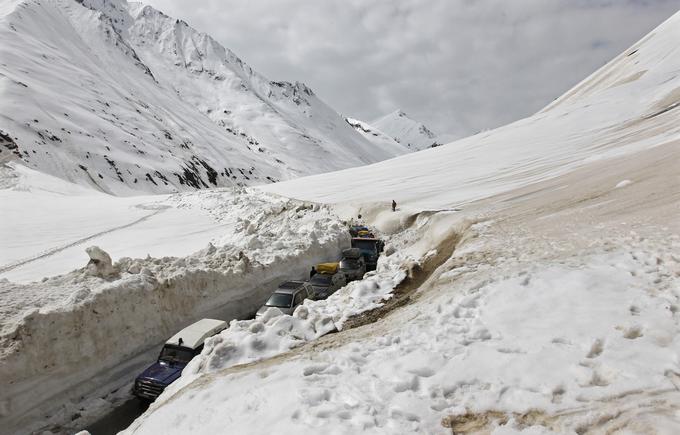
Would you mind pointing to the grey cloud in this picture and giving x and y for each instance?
(457, 65)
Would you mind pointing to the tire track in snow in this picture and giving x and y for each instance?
(55, 250)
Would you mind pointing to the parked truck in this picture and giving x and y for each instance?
(370, 249)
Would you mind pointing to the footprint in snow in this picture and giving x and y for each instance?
(633, 332)
(558, 393)
(560, 340)
(315, 397)
(423, 372)
(509, 350)
(597, 380)
(526, 279)
(411, 384)
(321, 369)
(596, 348)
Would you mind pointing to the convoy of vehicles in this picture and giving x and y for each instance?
(288, 296)
(175, 355)
(329, 277)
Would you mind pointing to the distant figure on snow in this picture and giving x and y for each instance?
(394, 206)
(312, 272)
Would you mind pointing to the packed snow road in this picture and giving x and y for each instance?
(126, 409)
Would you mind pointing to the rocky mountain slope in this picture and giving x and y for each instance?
(126, 99)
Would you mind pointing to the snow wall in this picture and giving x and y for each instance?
(56, 355)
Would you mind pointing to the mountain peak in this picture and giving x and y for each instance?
(405, 130)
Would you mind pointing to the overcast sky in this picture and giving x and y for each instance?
(459, 66)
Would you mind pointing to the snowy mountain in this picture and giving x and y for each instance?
(624, 107)
(412, 134)
(123, 98)
(529, 283)
(376, 136)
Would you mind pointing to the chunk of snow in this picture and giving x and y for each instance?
(100, 262)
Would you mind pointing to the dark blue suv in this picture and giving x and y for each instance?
(175, 355)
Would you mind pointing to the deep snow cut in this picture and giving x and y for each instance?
(65, 336)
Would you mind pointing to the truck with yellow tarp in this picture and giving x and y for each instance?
(327, 280)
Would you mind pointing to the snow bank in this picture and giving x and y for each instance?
(274, 333)
(521, 346)
(50, 347)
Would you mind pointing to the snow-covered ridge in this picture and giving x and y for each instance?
(412, 134)
(375, 136)
(630, 105)
(126, 99)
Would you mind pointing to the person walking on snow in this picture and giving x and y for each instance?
(312, 272)
(394, 206)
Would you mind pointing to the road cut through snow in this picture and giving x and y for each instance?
(76, 335)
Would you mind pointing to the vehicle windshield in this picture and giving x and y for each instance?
(349, 263)
(366, 246)
(176, 354)
(321, 279)
(280, 300)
